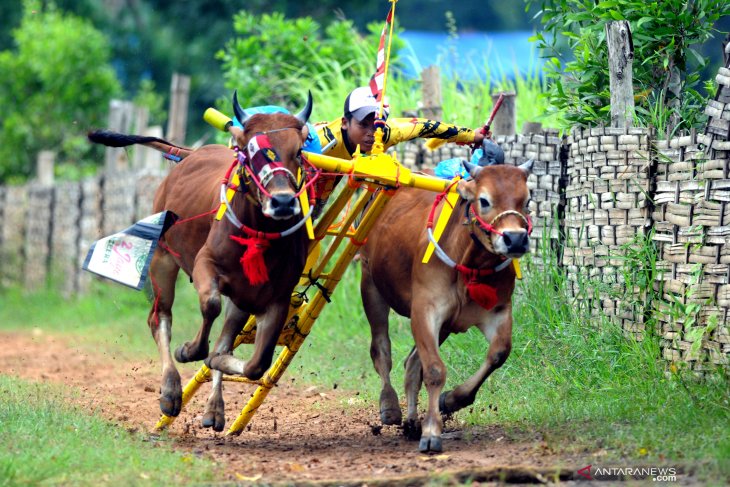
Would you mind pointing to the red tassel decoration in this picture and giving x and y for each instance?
(252, 260)
(482, 294)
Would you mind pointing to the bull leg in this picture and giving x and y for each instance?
(214, 415)
(376, 310)
(426, 327)
(413, 380)
(206, 284)
(268, 329)
(498, 332)
(163, 273)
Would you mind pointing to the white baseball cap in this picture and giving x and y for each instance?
(361, 102)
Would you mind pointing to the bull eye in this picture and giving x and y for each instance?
(483, 203)
(527, 205)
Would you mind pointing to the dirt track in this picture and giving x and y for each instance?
(300, 434)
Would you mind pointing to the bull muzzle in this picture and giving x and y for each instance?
(513, 243)
(281, 206)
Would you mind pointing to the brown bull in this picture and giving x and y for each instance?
(254, 255)
(468, 283)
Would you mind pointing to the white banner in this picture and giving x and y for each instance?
(125, 256)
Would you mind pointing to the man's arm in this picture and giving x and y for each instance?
(402, 129)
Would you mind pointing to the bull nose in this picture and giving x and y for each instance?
(283, 204)
(517, 241)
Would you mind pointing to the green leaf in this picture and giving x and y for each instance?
(643, 21)
(616, 15)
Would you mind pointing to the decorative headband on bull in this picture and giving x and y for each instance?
(259, 156)
(312, 143)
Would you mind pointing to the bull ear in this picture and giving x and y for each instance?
(527, 166)
(240, 113)
(237, 134)
(473, 169)
(465, 189)
(303, 116)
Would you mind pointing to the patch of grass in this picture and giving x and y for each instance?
(47, 442)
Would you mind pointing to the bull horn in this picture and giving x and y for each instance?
(473, 169)
(303, 116)
(240, 113)
(527, 166)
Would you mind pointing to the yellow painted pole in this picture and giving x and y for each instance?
(334, 245)
(382, 169)
(310, 312)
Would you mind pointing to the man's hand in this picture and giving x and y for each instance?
(480, 134)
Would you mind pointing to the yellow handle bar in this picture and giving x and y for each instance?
(217, 119)
(381, 168)
(433, 144)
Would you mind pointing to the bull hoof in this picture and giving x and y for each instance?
(214, 419)
(432, 443)
(171, 395)
(390, 412)
(412, 430)
(391, 416)
(188, 353)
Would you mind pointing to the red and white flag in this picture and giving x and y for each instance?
(376, 81)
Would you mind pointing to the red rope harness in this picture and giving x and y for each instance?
(481, 293)
(489, 227)
(256, 243)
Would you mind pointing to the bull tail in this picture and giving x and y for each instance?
(114, 139)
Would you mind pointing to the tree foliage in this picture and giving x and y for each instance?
(270, 56)
(666, 61)
(58, 84)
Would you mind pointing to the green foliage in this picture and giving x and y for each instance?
(274, 60)
(149, 98)
(60, 86)
(47, 442)
(665, 58)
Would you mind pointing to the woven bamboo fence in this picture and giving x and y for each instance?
(46, 231)
(607, 206)
(693, 236)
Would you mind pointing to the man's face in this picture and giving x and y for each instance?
(361, 132)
